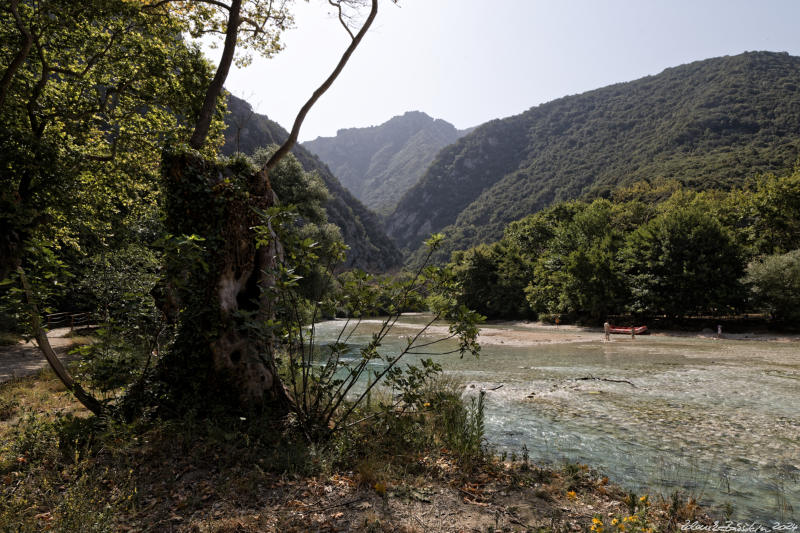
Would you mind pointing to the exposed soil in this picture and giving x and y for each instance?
(25, 358)
(187, 496)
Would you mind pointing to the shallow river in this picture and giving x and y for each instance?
(716, 419)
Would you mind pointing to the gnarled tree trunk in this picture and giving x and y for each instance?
(216, 284)
(215, 358)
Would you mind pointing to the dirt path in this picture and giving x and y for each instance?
(24, 359)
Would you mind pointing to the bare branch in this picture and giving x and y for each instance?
(338, 6)
(298, 122)
(212, 93)
(590, 377)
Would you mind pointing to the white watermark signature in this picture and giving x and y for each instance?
(744, 527)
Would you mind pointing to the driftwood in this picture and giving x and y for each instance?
(592, 378)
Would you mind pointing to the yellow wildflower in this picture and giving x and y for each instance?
(572, 495)
(615, 521)
(596, 520)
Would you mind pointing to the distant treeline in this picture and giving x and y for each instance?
(652, 249)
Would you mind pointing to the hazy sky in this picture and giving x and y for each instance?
(468, 61)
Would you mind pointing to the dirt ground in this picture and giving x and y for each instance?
(499, 499)
(25, 358)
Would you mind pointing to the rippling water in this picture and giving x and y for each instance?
(717, 419)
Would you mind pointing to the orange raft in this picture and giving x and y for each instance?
(637, 330)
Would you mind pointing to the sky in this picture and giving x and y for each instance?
(470, 61)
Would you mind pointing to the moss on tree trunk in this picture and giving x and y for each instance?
(214, 284)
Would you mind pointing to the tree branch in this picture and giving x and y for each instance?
(592, 378)
(22, 54)
(215, 88)
(298, 122)
(88, 401)
(37, 126)
(338, 7)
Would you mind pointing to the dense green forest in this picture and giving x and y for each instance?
(653, 249)
(380, 163)
(369, 248)
(709, 124)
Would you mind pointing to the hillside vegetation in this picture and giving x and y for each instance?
(370, 248)
(708, 124)
(380, 163)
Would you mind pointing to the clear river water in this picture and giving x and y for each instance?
(716, 419)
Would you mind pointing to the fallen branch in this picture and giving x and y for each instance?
(592, 378)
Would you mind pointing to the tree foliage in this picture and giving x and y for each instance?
(104, 88)
(775, 286)
(683, 262)
(655, 249)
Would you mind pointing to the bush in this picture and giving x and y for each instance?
(775, 286)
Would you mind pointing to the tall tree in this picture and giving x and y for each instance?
(89, 91)
(102, 87)
(213, 341)
(683, 262)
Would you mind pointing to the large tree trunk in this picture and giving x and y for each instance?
(217, 284)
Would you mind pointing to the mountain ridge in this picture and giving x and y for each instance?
(709, 123)
(379, 163)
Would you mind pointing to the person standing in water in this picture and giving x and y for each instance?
(607, 331)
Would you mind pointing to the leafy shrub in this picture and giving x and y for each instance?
(775, 285)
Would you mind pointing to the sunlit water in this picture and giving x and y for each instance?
(718, 420)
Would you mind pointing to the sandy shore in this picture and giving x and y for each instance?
(525, 333)
(520, 333)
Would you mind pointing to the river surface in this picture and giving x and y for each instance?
(716, 419)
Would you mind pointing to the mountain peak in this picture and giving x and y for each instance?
(379, 163)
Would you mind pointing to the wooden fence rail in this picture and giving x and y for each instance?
(73, 320)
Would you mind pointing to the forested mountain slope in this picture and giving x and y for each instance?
(709, 124)
(370, 248)
(380, 163)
